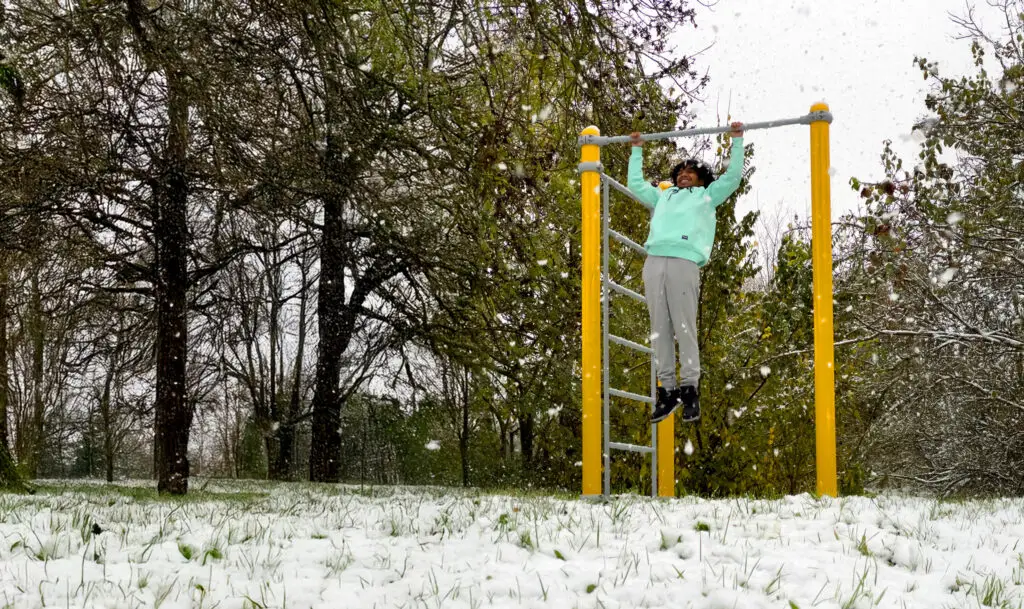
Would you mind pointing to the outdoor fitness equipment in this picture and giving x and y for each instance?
(598, 288)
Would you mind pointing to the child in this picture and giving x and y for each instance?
(680, 240)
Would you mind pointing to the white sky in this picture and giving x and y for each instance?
(331, 547)
(772, 60)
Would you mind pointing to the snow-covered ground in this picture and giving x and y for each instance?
(260, 545)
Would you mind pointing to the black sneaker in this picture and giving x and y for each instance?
(667, 403)
(691, 403)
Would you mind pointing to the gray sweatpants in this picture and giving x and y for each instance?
(672, 286)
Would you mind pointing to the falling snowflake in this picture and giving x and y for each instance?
(433, 445)
(688, 449)
(954, 218)
(765, 371)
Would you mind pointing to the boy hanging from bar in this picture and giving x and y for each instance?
(681, 236)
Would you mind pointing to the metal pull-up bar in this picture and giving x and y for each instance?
(813, 117)
(595, 336)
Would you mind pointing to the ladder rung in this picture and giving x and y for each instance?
(626, 241)
(630, 447)
(622, 290)
(632, 396)
(624, 190)
(628, 343)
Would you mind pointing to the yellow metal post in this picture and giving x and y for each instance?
(667, 440)
(590, 181)
(824, 368)
(666, 457)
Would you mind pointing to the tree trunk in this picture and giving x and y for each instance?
(504, 449)
(464, 442)
(37, 432)
(108, 423)
(4, 440)
(331, 309)
(526, 440)
(286, 432)
(170, 227)
(9, 477)
(285, 451)
(272, 426)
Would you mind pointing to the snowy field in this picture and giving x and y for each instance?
(256, 545)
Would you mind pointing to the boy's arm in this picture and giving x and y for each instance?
(728, 182)
(636, 182)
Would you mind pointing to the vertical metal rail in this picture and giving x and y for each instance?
(607, 288)
(668, 423)
(605, 306)
(654, 431)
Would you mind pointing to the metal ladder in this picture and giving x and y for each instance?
(607, 287)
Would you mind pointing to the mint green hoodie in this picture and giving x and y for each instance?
(683, 224)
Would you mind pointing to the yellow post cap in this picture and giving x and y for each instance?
(591, 130)
(819, 107)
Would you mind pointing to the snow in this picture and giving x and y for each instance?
(946, 276)
(343, 546)
(433, 445)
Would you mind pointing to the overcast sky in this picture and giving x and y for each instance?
(773, 59)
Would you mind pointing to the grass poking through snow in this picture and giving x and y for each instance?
(242, 544)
